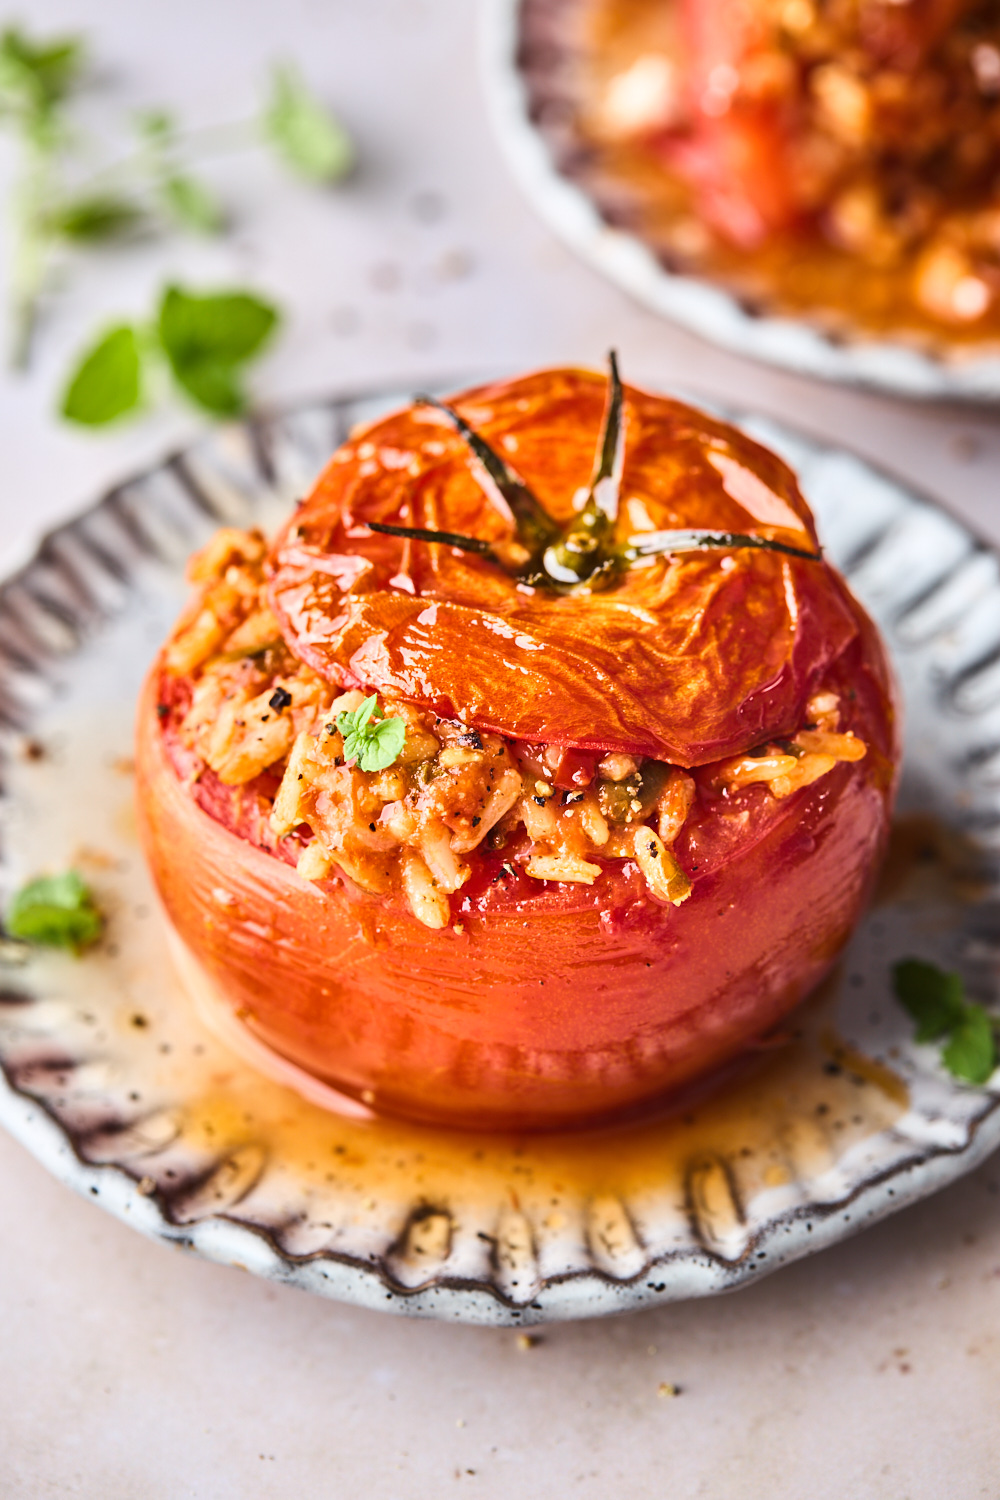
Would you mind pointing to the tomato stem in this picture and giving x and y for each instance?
(581, 555)
(656, 543)
(446, 538)
(535, 528)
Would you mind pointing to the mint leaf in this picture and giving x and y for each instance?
(207, 337)
(216, 388)
(369, 737)
(107, 382)
(57, 911)
(191, 204)
(226, 326)
(38, 75)
(311, 141)
(88, 220)
(937, 1003)
(971, 1053)
(388, 736)
(156, 126)
(364, 712)
(934, 999)
(186, 200)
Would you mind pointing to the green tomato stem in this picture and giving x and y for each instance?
(580, 554)
(445, 538)
(535, 528)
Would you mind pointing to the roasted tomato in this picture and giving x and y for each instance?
(511, 787)
(786, 110)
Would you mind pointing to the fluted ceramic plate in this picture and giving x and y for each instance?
(111, 1076)
(543, 154)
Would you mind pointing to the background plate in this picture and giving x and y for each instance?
(111, 1077)
(698, 305)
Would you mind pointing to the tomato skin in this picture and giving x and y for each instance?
(549, 1009)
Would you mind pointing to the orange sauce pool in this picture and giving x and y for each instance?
(790, 1111)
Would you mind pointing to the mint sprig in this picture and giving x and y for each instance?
(936, 1002)
(207, 340)
(190, 204)
(60, 204)
(56, 911)
(369, 737)
(183, 198)
(36, 77)
(308, 137)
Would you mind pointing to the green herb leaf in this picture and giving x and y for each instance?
(191, 204)
(934, 999)
(230, 327)
(370, 738)
(311, 141)
(156, 126)
(186, 200)
(107, 382)
(38, 75)
(207, 338)
(57, 911)
(89, 220)
(216, 388)
(971, 1053)
(937, 1003)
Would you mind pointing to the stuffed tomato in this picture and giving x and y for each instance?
(511, 785)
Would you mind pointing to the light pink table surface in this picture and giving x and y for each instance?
(127, 1370)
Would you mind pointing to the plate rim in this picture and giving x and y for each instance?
(223, 1239)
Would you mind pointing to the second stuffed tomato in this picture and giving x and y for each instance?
(513, 786)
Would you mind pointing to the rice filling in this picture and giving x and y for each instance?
(450, 790)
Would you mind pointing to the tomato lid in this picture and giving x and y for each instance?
(683, 655)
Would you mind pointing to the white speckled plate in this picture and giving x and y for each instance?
(532, 150)
(109, 1074)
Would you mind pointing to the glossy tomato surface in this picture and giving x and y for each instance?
(686, 660)
(546, 1004)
